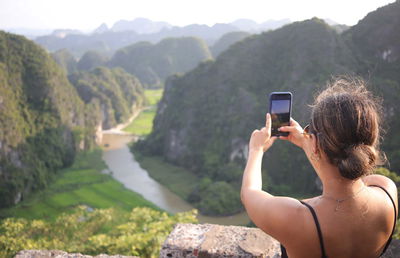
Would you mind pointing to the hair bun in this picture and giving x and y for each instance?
(347, 117)
(353, 164)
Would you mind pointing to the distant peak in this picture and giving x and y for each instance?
(140, 25)
(252, 26)
(102, 28)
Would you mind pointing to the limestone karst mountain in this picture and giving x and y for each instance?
(39, 112)
(45, 120)
(152, 64)
(226, 41)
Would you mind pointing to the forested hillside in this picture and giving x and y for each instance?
(43, 119)
(66, 60)
(40, 113)
(226, 41)
(152, 64)
(91, 59)
(112, 93)
(206, 116)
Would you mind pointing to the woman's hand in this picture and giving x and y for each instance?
(261, 139)
(296, 135)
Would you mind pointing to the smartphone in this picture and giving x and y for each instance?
(280, 108)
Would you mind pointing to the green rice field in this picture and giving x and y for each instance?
(82, 184)
(143, 124)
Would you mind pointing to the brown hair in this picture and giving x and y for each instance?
(346, 120)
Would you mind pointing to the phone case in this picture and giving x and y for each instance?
(280, 96)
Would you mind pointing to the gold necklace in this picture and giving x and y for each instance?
(339, 201)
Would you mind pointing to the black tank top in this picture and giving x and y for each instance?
(321, 240)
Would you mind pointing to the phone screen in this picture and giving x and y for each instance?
(280, 110)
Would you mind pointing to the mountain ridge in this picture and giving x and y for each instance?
(125, 32)
(153, 63)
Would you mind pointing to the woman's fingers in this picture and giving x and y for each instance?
(262, 137)
(268, 121)
(288, 129)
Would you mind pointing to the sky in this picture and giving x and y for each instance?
(89, 14)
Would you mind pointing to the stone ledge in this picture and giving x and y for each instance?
(62, 254)
(207, 240)
(212, 241)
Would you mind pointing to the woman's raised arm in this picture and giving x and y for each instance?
(276, 216)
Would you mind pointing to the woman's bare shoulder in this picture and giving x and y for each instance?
(384, 182)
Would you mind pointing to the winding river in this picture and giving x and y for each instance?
(127, 170)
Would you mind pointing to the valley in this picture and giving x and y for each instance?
(110, 138)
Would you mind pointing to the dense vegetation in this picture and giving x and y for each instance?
(90, 60)
(66, 60)
(111, 93)
(43, 119)
(78, 44)
(226, 41)
(206, 116)
(152, 64)
(40, 120)
(140, 232)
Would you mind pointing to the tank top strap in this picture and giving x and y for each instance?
(321, 240)
(395, 218)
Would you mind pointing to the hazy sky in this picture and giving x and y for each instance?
(89, 14)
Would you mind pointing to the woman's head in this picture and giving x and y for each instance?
(346, 120)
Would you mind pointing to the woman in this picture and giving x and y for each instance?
(356, 213)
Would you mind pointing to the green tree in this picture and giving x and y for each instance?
(140, 232)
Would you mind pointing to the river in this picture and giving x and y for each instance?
(127, 170)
